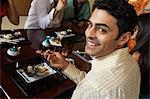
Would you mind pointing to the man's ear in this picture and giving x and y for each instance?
(124, 38)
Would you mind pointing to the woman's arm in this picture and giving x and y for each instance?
(46, 17)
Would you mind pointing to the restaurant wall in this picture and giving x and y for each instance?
(22, 6)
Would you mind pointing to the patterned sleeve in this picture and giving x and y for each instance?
(74, 73)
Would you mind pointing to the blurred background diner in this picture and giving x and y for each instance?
(141, 52)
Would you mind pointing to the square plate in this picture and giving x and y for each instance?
(35, 77)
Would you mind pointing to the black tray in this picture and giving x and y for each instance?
(37, 86)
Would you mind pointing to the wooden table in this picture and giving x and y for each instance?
(27, 52)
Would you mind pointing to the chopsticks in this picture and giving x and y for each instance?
(14, 41)
(4, 92)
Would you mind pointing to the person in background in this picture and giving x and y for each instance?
(45, 14)
(76, 13)
(8, 9)
(147, 8)
(141, 6)
(91, 2)
(141, 53)
(114, 73)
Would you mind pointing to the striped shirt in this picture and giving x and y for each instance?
(114, 76)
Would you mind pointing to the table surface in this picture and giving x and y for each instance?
(27, 52)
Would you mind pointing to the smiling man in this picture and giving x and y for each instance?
(114, 73)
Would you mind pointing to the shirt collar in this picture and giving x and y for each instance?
(115, 57)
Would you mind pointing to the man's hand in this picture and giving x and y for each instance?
(55, 59)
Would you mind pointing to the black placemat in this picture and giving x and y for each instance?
(37, 86)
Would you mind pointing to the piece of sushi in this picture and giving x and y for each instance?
(41, 70)
(30, 71)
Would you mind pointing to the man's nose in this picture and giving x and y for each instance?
(91, 32)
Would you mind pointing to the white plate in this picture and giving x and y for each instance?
(54, 43)
(8, 36)
(29, 79)
(61, 34)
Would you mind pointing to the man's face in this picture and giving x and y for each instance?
(101, 34)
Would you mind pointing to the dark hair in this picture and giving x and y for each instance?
(3, 2)
(122, 11)
(143, 47)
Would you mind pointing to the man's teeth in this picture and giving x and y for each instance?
(91, 44)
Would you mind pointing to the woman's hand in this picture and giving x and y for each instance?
(61, 4)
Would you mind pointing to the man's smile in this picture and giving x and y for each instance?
(92, 44)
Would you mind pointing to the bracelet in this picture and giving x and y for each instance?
(55, 11)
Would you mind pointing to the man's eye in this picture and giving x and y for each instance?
(102, 30)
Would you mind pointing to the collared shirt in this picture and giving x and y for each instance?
(41, 15)
(114, 76)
